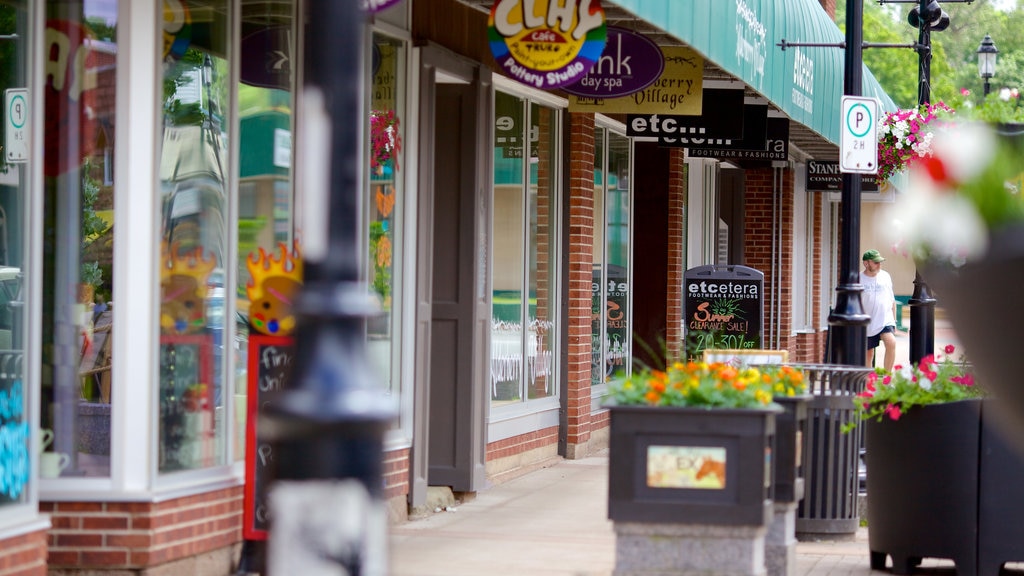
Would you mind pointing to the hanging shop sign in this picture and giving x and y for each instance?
(722, 117)
(723, 307)
(266, 57)
(776, 145)
(177, 29)
(825, 176)
(676, 91)
(630, 63)
(755, 136)
(547, 44)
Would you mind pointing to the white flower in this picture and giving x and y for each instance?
(924, 382)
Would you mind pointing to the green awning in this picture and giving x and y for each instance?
(742, 36)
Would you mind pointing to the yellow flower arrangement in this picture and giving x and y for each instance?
(704, 385)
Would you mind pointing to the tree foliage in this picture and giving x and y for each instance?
(954, 64)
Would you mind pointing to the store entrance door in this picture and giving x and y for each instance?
(452, 321)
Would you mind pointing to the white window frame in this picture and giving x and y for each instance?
(530, 415)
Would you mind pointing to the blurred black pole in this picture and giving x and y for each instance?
(922, 305)
(848, 318)
(326, 430)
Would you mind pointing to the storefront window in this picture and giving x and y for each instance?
(268, 251)
(384, 203)
(81, 64)
(525, 249)
(15, 420)
(611, 340)
(194, 197)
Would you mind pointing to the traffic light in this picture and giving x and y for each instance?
(934, 16)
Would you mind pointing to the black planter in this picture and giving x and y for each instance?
(971, 295)
(790, 427)
(690, 465)
(1000, 497)
(922, 486)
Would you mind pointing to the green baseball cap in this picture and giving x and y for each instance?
(872, 255)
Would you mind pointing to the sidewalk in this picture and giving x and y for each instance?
(553, 522)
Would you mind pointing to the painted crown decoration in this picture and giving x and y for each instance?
(183, 277)
(275, 283)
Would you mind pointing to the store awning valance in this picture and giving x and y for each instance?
(742, 36)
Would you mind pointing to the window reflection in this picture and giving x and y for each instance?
(78, 239)
(611, 341)
(384, 205)
(193, 177)
(523, 303)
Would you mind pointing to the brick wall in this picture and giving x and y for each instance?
(523, 443)
(396, 484)
(24, 555)
(759, 253)
(581, 248)
(676, 257)
(140, 535)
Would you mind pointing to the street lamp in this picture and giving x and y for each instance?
(987, 60)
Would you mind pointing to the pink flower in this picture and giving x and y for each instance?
(965, 92)
(887, 379)
(965, 380)
(893, 411)
(949, 349)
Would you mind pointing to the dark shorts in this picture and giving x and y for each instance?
(874, 340)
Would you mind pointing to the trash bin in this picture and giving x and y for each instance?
(829, 508)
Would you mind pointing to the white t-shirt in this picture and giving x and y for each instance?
(878, 300)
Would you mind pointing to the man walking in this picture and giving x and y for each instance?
(879, 302)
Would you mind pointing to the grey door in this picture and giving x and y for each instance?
(452, 318)
(452, 287)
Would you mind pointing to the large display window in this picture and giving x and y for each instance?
(385, 203)
(17, 396)
(78, 239)
(194, 191)
(525, 261)
(611, 340)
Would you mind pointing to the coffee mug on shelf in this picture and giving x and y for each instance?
(51, 464)
(45, 439)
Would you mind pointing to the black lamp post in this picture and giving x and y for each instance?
(327, 430)
(926, 17)
(987, 61)
(848, 318)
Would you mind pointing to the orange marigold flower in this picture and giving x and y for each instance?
(652, 397)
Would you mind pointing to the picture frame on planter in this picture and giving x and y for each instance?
(739, 442)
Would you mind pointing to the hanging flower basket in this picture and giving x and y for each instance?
(905, 136)
(385, 140)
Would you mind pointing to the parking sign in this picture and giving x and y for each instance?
(16, 125)
(858, 147)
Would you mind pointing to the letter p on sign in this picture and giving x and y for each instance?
(858, 147)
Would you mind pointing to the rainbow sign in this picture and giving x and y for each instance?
(545, 44)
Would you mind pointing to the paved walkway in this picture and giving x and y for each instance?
(553, 522)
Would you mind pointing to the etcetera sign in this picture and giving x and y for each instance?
(547, 44)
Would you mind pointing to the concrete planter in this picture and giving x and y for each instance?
(688, 489)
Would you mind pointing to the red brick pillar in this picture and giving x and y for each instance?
(763, 220)
(581, 256)
(676, 256)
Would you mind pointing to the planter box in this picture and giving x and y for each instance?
(790, 427)
(922, 486)
(1000, 495)
(690, 465)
